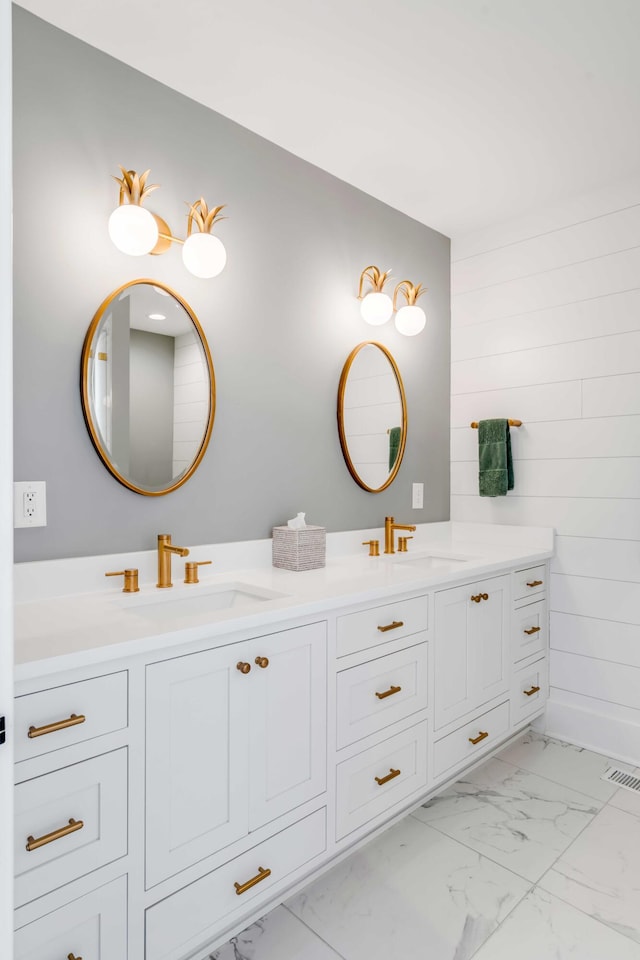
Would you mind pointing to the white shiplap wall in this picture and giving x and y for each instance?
(190, 401)
(546, 329)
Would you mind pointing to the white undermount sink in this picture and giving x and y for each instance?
(223, 596)
(430, 561)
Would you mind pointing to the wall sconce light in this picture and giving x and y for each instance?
(136, 231)
(376, 307)
(410, 319)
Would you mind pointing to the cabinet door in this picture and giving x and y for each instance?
(489, 630)
(288, 710)
(471, 647)
(453, 669)
(196, 758)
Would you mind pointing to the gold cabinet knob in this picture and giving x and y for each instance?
(243, 667)
(130, 579)
(72, 956)
(262, 662)
(479, 596)
(191, 570)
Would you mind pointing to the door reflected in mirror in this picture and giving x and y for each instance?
(148, 392)
(372, 416)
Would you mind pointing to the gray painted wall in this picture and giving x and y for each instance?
(280, 320)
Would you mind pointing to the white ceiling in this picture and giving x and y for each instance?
(460, 113)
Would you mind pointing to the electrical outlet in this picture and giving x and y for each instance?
(417, 496)
(30, 503)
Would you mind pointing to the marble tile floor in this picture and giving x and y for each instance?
(531, 855)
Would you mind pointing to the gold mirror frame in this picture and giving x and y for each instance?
(341, 425)
(86, 402)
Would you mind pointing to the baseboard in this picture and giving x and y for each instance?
(608, 735)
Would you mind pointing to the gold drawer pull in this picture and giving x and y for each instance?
(262, 662)
(481, 736)
(72, 956)
(73, 825)
(390, 776)
(530, 693)
(391, 626)
(261, 875)
(58, 725)
(535, 583)
(533, 630)
(480, 596)
(388, 693)
(243, 667)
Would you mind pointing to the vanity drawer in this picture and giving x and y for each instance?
(92, 793)
(527, 583)
(375, 694)
(529, 630)
(458, 746)
(93, 926)
(370, 628)
(376, 779)
(185, 921)
(53, 717)
(529, 690)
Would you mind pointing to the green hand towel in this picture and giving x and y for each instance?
(494, 456)
(394, 445)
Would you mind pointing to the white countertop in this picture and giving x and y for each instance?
(57, 632)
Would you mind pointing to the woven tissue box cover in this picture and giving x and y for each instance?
(299, 549)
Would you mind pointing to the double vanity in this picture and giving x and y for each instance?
(187, 758)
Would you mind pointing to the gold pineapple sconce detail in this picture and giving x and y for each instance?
(136, 231)
(410, 319)
(376, 307)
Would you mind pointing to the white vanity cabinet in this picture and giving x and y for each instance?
(382, 702)
(530, 641)
(215, 772)
(235, 737)
(472, 655)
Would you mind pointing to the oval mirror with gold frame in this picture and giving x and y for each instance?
(148, 387)
(372, 416)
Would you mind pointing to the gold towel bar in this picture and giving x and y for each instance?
(512, 423)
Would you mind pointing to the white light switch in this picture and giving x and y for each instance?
(30, 503)
(417, 496)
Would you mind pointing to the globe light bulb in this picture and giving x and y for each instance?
(376, 308)
(410, 321)
(204, 255)
(133, 230)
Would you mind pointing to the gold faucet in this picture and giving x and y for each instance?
(165, 549)
(390, 526)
